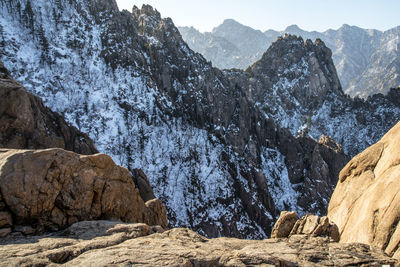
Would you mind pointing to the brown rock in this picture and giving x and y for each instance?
(5, 219)
(5, 231)
(330, 143)
(311, 222)
(289, 225)
(365, 204)
(25, 123)
(156, 208)
(284, 224)
(105, 243)
(322, 227)
(52, 189)
(142, 183)
(334, 232)
(26, 230)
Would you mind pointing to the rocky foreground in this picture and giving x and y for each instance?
(106, 243)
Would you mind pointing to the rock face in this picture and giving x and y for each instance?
(284, 224)
(25, 123)
(52, 189)
(103, 243)
(367, 60)
(365, 203)
(289, 224)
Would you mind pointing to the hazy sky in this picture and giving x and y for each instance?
(317, 15)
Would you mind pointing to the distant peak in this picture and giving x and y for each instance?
(293, 28)
(347, 27)
(230, 22)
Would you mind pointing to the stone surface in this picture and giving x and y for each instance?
(284, 224)
(5, 219)
(289, 224)
(365, 204)
(52, 189)
(142, 183)
(105, 243)
(25, 123)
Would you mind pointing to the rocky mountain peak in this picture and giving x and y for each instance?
(146, 10)
(302, 68)
(330, 143)
(228, 23)
(292, 28)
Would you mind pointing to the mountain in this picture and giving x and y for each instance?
(225, 151)
(367, 61)
(225, 45)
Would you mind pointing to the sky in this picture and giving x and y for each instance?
(319, 15)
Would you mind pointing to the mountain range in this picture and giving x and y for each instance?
(367, 61)
(224, 150)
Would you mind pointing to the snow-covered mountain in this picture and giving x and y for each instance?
(210, 141)
(367, 61)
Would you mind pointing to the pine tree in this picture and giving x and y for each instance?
(28, 16)
(18, 8)
(2, 41)
(44, 44)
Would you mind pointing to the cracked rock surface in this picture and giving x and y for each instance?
(106, 243)
(47, 190)
(365, 204)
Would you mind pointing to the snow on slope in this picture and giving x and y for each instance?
(61, 61)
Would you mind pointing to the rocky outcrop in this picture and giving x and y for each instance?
(324, 161)
(25, 123)
(284, 224)
(104, 243)
(142, 183)
(47, 190)
(289, 224)
(365, 204)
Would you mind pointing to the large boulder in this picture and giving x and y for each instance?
(366, 202)
(104, 243)
(289, 225)
(53, 188)
(284, 224)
